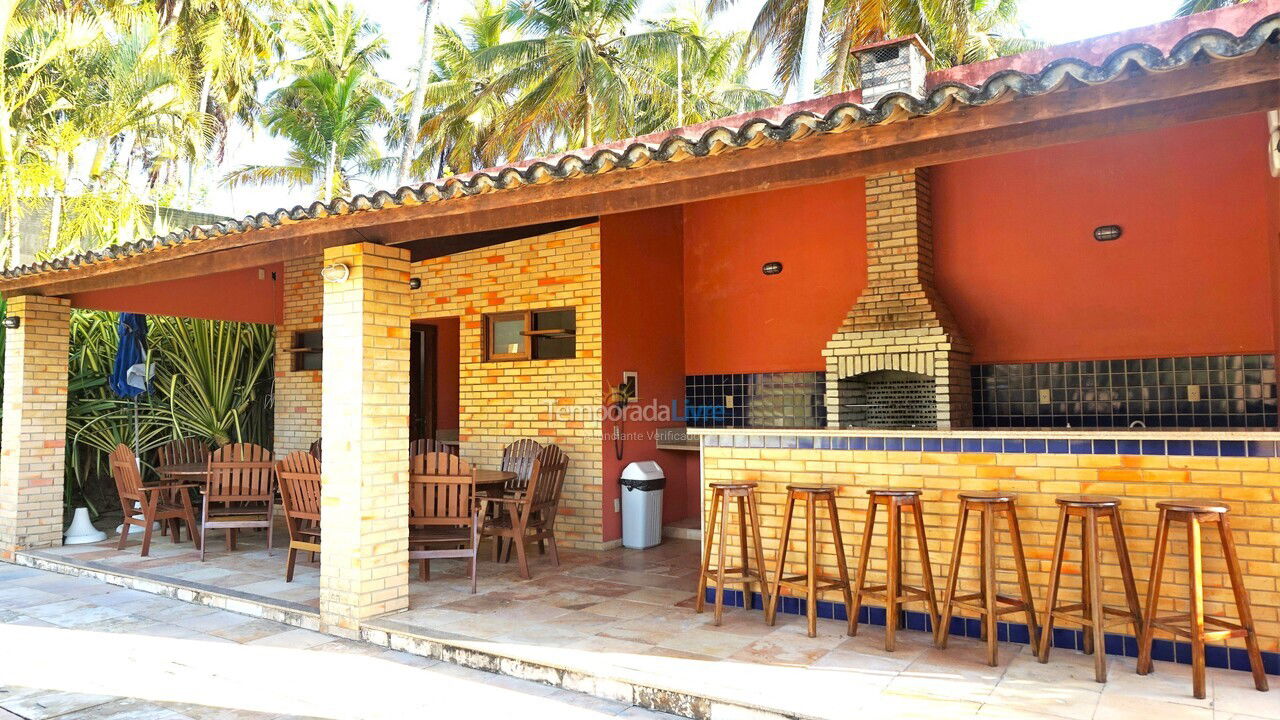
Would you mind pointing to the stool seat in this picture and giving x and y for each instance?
(732, 485)
(893, 492)
(985, 496)
(813, 489)
(1088, 501)
(743, 573)
(1195, 506)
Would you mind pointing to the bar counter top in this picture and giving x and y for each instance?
(1047, 433)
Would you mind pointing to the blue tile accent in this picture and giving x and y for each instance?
(1262, 448)
(1214, 656)
(1152, 447)
(845, 443)
(1035, 445)
(1182, 652)
(951, 445)
(1081, 447)
(1058, 445)
(971, 444)
(1113, 643)
(1162, 650)
(824, 443)
(1204, 447)
(917, 621)
(1231, 448)
(1064, 638)
(893, 444)
(1129, 447)
(875, 615)
(875, 443)
(1178, 447)
(1019, 633)
(913, 444)
(992, 445)
(1014, 445)
(806, 442)
(1104, 447)
(932, 444)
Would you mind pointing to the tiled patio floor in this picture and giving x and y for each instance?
(627, 616)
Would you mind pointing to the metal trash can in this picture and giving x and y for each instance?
(642, 484)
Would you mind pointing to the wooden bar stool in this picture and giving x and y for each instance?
(989, 506)
(1196, 513)
(1090, 613)
(808, 583)
(893, 592)
(742, 575)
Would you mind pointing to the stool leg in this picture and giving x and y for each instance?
(759, 548)
(841, 561)
(893, 581)
(1024, 582)
(775, 596)
(1153, 593)
(1096, 611)
(1126, 572)
(811, 566)
(989, 601)
(1086, 594)
(700, 604)
(943, 629)
(1242, 603)
(1055, 581)
(1195, 564)
(747, 601)
(724, 540)
(926, 566)
(864, 559)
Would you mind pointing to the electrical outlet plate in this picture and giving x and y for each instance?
(617, 505)
(1044, 396)
(728, 401)
(631, 378)
(1193, 393)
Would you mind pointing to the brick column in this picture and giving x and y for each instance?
(365, 426)
(33, 438)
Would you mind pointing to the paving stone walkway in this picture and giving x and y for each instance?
(75, 648)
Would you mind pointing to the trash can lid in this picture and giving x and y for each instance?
(643, 470)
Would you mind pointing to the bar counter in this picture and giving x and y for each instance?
(1141, 467)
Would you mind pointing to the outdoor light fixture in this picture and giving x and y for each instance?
(335, 273)
(1106, 233)
(12, 322)
(771, 268)
(415, 283)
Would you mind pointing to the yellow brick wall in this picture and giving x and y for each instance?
(1251, 485)
(364, 504)
(297, 394)
(499, 401)
(33, 437)
(503, 401)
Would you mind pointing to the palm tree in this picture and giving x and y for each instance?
(335, 38)
(958, 31)
(419, 91)
(576, 75)
(329, 120)
(1190, 7)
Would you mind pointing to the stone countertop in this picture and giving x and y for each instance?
(1065, 433)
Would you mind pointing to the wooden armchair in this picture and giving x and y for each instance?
(531, 515)
(159, 503)
(444, 512)
(518, 458)
(422, 446)
(240, 492)
(299, 477)
(187, 451)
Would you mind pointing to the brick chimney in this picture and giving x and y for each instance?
(897, 65)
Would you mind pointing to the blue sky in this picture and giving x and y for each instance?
(1054, 21)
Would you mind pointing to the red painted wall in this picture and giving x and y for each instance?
(447, 354)
(1027, 282)
(237, 295)
(642, 313)
(740, 320)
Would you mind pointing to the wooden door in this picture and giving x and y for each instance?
(422, 382)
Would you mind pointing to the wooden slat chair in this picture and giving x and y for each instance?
(187, 451)
(240, 492)
(532, 514)
(299, 477)
(422, 446)
(444, 512)
(168, 503)
(518, 458)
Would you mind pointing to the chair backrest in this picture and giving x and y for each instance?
(544, 488)
(124, 468)
(299, 476)
(518, 458)
(316, 448)
(187, 451)
(441, 490)
(241, 472)
(422, 446)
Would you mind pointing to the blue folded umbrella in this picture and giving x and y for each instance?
(129, 374)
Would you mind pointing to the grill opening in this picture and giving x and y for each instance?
(888, 399)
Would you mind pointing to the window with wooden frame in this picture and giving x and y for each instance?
(530, 335)
(308, 350)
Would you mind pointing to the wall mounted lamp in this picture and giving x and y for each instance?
(415, 283)
(12, 322)
(1107, 233)
(771, 268)
(335, 273)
